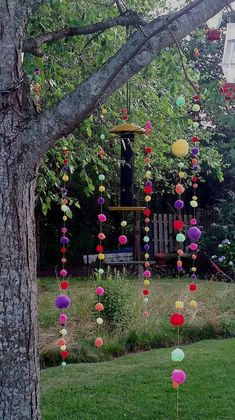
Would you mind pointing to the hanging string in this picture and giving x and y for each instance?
(62, 301)
(148, 190)
(99, 307)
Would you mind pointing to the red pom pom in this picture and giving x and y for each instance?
(194, 161)
(178, 224)
(65, 161)
(64, 354)
(177, 319)
(145, 292)
(148, 149)
(194, 178)
(64, 285)
(148, 190)
(195, 139)
(63, 250)
(99, 248)
(192, 287)
(147, 212)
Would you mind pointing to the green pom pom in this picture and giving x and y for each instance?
(146, 239)
(180, 237)
(63, 364)
(102, 137)
(180, 101)
(181, 165)
(196, 108)
(101, 177)
(177, 355)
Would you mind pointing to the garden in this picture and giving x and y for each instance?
(117, 261)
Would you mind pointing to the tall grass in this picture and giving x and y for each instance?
(125, 329)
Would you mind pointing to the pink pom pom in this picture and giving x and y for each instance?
(63, 318)
(178, 376)
(102, 218)
(193, 246)
(99, 291)
(147, 274)
(64, 230)
(193, 221)
(122, 239)
(63, 273)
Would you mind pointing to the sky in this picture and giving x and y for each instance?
(179, 3)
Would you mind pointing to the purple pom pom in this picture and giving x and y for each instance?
(193, 276)
(64, 191)
(148, 184)
(62, 301)
(195, 168)
(64, 240)
(146, 247)
(179, 204)
(195, 150)
(101, 201)
(194, 233)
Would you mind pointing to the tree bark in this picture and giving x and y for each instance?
(19, 371)
(24, 140)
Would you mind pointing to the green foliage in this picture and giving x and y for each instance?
(117, 310)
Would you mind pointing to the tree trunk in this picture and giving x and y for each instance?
(19, 371)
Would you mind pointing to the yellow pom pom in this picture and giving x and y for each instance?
(179, 304)
(194, 269)
(65, 178)
(194, 197)
(193, 203)
(146, 229)
(63, 331)
(146, 256)
(104, 111)
(64, 208)
(146, 282)
(148, 198)
(101, 188)
(65, 218)
(148, 174)
(101, 256)
(193, 304)
(181, 174)
(180, 148)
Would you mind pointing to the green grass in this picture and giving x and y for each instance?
(215, 317)
(138, 386)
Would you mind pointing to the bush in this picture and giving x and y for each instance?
(117, 311)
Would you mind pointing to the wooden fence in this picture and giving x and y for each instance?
(163, 232)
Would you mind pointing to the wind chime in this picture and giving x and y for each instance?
(62, 301)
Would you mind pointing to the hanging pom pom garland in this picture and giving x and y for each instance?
(101, 257)
(148, 190)
(194, 233)
(62, 302)
(180, 149)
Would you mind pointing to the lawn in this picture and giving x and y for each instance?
(138, 386)
(214, 317)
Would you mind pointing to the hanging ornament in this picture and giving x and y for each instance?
(148, 128)
(99, 307)
(148, 190)
(63, 302)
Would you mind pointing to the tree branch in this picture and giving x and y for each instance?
(139, 51)
(119, 6)
(33, 45)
